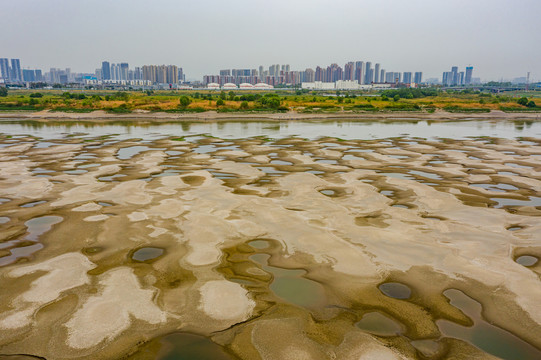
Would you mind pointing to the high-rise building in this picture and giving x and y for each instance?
(320, 74)
(106, 70)
(16, 74)
(454, 76)
(368, 74)
(29, 75)
(39, 76)
(376, 73)
(5, 71)
(359, 72)
(389, 77)
(461, 78)
(407, 78)
(447, 78)
(418, 77)
(137, 74)
(309, 75)
(382, 76)
(124, 71)
(226, 72)
(468, 76)
(349, 71)
(161, 74)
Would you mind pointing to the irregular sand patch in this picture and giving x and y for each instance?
(64, 272)
(87, 207)
(107, 315)
(225, 300)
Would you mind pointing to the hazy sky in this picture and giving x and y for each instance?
(500, 38)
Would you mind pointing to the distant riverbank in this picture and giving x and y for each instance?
(210, 116)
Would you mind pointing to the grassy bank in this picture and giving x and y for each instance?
(411, 100)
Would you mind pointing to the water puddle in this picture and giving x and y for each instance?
(181, 346)
(482, 334)
(425, 174)
(147, 254)
(33, 203)
(38, 226)
(533, 201)
(518, 166)
(401, 206)
(325, 161)
(75, 172)
(398, 175)
(204, 149)
(290, 285)
(39, 170)
(280, 162)
(328, 192)
(489, 187)
(111, 177)
(130, 151)
(395, 290)
(29, 245)
(380, 325)
(4, 219)
(527, 260)
(87, 166)
(271, 170)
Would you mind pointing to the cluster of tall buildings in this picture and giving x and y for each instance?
(361, 72)
(456, 78)
(353, 72)
(151, 74)
(11, 72)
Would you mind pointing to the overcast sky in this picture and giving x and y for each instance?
(500, 38)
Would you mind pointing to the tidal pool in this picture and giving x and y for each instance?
(482, 334)
(270, 239)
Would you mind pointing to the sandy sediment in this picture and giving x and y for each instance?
(346, 215)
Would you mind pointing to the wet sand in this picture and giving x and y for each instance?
(286, 248)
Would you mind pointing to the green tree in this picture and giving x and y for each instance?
(396, 97)
(184, 101)
(340, 99)
(531, 104)
(482, 101)
(231, 95)
(222, 95)
(523, 101)
(36, 95)
(220, 102)
(244, 105)
(3, 91)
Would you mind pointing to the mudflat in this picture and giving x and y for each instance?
(270, 240)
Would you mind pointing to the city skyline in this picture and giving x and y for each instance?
(497, 39)
(360, 72)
